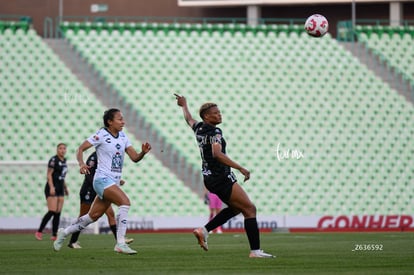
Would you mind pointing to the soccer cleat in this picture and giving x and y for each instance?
(53, 238)
(57, 245)
(124, 249)
(38, 236)
(260, 254)
(74, 245)
(128, 240)
(201, 234)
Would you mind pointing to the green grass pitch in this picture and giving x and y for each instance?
(178, 253)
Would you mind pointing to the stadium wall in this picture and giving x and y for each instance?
(274, 223)
(41, 9)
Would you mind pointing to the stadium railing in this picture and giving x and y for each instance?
(346, 31)
(15, 22)
(379, 37)
(87, 23)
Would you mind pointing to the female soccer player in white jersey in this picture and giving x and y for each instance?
(110, 143)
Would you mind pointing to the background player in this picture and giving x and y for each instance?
(55, 191)
(214, 204)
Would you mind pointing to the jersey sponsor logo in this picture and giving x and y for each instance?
(217, 139)
(117, 163)
(206, 172)
(203, 140)
(63, 173)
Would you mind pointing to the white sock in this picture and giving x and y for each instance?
(79, 225)
(121, 223)
(205, 231)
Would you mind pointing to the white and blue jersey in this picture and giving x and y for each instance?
(110, 151)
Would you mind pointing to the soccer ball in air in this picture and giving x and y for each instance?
(316, 25)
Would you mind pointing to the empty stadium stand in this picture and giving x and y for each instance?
(43, 104)
(278, 88)
(393, 45)
(319, 131)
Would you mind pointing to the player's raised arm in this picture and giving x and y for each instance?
(182, 102)
(134, 155)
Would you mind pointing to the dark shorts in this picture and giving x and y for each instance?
(221, 185)
(59, 190)
(87, 194)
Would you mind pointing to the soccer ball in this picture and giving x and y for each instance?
(316, 25)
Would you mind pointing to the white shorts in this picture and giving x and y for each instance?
(100, 184)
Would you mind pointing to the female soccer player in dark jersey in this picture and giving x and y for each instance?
(219, 179)
(55, 190)
(87, 195)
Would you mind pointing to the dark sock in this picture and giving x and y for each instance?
(222, 217)
(113, 229)
(252, 231)
(45, 220)
(55, 223)
(75, 237)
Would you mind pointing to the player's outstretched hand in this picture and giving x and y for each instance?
(181, 101)
(146, 147)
